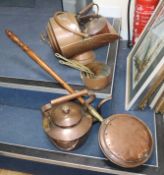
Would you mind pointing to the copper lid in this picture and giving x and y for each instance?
(125, 140)
(66, 114)
(70, 133)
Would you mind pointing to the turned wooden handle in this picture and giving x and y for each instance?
(51, 72)
(41, 63)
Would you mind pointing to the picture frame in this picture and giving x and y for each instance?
(146, 60)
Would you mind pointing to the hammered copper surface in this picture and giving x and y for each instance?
(125, 140)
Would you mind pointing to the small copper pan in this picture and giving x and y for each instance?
(101, 78)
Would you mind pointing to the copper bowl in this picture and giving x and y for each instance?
(125, 140)
(102, 76)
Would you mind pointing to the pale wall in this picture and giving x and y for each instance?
(116, 8)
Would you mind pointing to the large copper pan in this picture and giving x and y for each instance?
(125, 140)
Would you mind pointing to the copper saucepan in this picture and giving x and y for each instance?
(123, 138)
(101, 78)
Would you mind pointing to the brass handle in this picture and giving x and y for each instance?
(87, 8)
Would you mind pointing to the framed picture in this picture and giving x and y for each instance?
(145, 62)
(157, 101)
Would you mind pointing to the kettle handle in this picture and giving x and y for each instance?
(73, 96)
(87, 8)
(81, 16)
(66, 28)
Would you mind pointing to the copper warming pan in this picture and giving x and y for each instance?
(124, 139)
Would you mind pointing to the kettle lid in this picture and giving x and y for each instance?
(67, 114)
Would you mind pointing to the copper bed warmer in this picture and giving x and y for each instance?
(124, 139)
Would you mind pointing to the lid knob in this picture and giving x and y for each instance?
(66, 109)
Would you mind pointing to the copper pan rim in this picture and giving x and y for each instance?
(114, 158)
(56, 43)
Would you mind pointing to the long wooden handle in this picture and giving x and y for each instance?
(50, 71)
(41, 63)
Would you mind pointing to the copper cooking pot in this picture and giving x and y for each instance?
(101, 78)
(65, 122)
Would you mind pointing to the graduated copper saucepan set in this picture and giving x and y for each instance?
(124, 139)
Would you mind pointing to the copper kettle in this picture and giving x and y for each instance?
(65, 122)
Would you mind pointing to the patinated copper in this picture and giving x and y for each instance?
(85, 58)
(97, 26)
(66, 123)
(102, 76)
(51, 72)
(65, 32)
(125, 140)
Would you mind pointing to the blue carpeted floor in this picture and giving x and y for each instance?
(21, 121)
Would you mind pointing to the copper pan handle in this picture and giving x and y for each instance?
(73, 96)
(87, 8)
(51, 72)
(40, 62)
(82, 16)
